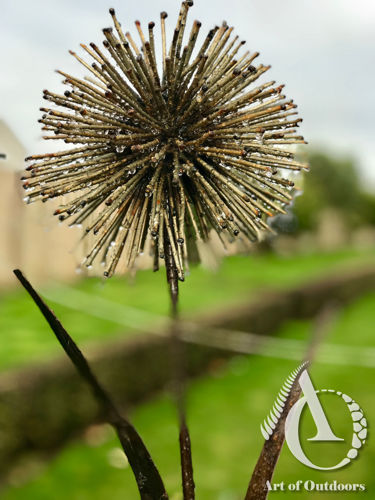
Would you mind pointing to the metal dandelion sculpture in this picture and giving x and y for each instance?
(159, 161)
(167, 158)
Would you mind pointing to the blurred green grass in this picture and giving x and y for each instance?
(225, 412)
(26, 338)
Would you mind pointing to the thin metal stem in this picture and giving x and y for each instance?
(178, 370)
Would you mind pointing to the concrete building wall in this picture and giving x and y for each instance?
(30, 237)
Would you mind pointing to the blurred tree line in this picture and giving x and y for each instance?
(333, 183)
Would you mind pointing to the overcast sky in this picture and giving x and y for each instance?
(323, 50)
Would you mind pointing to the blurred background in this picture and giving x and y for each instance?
(52, 443)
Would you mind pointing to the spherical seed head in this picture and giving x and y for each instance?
(164, 159)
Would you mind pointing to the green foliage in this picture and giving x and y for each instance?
(333, 182)
(367, 208)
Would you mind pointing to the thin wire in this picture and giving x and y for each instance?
(221, 338)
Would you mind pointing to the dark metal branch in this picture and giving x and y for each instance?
(178, 358)
(270, 453)
(148, 479)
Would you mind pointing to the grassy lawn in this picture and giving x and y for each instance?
(94, 310)
(225, 411)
